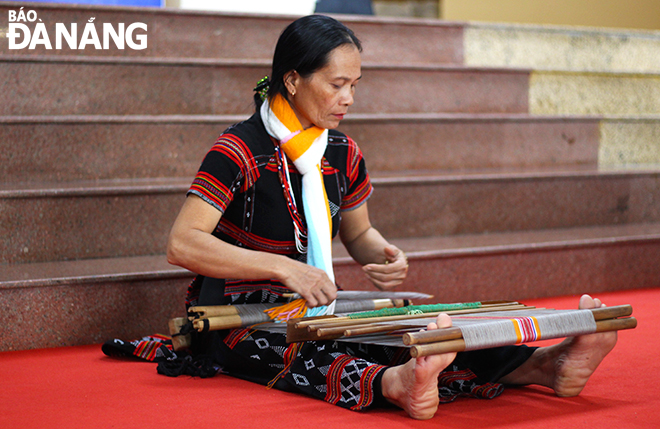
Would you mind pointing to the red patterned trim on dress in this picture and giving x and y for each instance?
(235, 336)
(192, 294)
(254, 241)
(290, 355)
(488, 390)
(483, 391)
(448, 377)
(210, 188)
(239, 287)
(353, 160)
(362, 190)
(327, 169)
(367, 386)
(333, 379)
(237, 151)
(273, 163)
(147, 348)
(360, 195)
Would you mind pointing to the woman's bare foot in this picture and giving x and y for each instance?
(566, 367)
(580, 356)
(413, 386)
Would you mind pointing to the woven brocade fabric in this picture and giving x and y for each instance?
(339, 373)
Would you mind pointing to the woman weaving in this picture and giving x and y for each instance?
(258, 222)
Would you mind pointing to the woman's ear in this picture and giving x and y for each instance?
(291, 80)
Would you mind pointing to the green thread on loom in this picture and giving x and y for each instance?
(414, 309)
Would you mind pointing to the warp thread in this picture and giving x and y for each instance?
(534, 326)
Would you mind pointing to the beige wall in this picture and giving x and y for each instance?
(640, 14)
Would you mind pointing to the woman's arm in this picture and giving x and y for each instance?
(384, 264)
(192, 246)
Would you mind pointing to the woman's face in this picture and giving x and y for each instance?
(323, 98)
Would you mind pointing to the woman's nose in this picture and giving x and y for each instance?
(347, 99)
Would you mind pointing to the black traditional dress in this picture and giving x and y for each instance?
(242, 176)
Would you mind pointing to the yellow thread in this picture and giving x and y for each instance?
(516, 327)
(537, 328)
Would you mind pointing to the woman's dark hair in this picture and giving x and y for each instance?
(305, 46)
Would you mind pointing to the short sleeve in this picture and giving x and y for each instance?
(227, 168)
(359, 184)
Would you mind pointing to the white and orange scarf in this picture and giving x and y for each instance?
(305, 148)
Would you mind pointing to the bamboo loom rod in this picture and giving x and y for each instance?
(202, 312)
(304, 323)
(233, 318)
(424, 337)
(458, 345)
(370, 328)
(347, 321)
(344, 327)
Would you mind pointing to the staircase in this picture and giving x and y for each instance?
(499, 179)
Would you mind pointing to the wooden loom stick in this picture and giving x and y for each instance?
(425, 337)
(324, 323)
(201, 312)
(458, 345)
(343, 327)
(314, 324)
(368, 329)
(235, 318)
(219, 323)
(374, 329)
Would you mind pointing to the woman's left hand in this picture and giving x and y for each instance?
(390, 274)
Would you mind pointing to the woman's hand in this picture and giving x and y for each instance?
(313, 284)
(390, 274)
(192, 246)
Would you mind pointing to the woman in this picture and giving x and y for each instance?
(258, 222)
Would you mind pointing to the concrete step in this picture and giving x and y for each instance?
(545, 47)
(98, 219)
(70, 148)
(91, 301)
(392, 142)
(593, 93)
(82, 220)
(196, 34)
(467, 202)
(52, 85)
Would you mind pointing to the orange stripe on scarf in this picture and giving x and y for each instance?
(302, 141)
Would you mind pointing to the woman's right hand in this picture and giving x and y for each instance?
(313, 284)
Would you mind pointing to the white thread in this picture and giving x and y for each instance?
(487, 333)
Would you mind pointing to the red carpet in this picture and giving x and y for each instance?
(78, 387)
